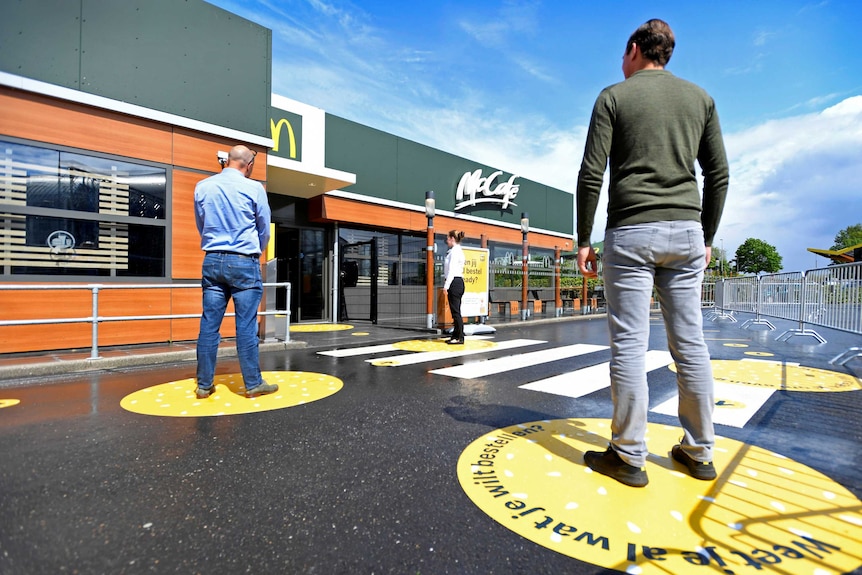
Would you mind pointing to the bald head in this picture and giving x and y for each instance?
(242, 159)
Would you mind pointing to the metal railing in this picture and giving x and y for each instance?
(829, 297)
(95, 319)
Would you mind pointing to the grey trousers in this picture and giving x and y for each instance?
(670, 256)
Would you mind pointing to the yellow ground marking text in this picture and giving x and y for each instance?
(765, 514)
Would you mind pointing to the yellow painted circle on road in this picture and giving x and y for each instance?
(764, 514)
(318, 327)
(735, 345)
(441, 345)
(758, 353)
(177, 398)
(9, 402)
(777, 375)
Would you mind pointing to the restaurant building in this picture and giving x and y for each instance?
(112, 112)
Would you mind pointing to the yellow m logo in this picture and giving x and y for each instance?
(275, 131)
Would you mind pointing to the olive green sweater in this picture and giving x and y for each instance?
(652, 127)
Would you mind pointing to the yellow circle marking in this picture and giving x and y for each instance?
(317, 327)
(735, 345)
(776, 375)
(177, 398)
(764, 514)
(441, 345)
(9, 402)
(758, 353)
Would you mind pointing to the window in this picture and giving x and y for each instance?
(64, 213)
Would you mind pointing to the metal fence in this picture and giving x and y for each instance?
(95, 319)
(828, 297)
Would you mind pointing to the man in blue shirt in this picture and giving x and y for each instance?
(232, 215)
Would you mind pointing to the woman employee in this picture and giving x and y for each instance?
(453, 287)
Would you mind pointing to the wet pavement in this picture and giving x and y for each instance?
(385, 474)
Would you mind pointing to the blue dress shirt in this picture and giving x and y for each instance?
(232, 213)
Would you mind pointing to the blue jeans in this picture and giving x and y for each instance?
(670, 256)
(227, 276)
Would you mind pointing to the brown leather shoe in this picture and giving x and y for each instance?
(263, 389)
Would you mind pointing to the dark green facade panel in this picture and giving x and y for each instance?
(560, 210)
(422, 168)
(392, 168)
(187, 58)
(366, 152)
(41, 40)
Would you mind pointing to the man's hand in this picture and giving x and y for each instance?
(708, 256)
(587, 262)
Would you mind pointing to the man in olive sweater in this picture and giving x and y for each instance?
(652, 127)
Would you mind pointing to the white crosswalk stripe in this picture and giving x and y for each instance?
(589, 379)
(354, 351)
(492, 366)
(383, 348)
(735, 404)
(426, 356)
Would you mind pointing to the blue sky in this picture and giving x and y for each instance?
(511, 84)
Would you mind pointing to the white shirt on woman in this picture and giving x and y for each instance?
(453, 266)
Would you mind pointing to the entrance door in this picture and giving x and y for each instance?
(358, 282)
(301, 259)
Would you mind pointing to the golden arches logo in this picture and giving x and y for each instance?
(275, 131)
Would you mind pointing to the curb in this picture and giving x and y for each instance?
(63, 367)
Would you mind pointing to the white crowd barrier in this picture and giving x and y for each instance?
(829, 297)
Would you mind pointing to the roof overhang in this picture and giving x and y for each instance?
(291, 178)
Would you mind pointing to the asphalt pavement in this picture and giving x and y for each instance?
(392, 452)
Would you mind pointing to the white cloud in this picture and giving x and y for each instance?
(795, 182)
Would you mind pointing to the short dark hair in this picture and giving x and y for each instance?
(655, 39)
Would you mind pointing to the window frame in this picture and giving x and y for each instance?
(6, 274)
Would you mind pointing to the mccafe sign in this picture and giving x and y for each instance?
(473, 190)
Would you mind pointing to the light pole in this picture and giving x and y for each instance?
(525, 227)
(721, 259)
(429, 260)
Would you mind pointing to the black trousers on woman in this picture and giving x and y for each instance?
(456, 292)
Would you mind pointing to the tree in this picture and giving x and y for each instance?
(849, 236)
(755, 256)
(719, 264)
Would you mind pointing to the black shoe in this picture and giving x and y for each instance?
(263, 389)
(610, 464)
(455, 342)
(703, 470)
(203, 393)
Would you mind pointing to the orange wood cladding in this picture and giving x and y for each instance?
(186, 254)
(44, 119)
(199, 151)
(39, 118)
(78, 303)
(344, 210)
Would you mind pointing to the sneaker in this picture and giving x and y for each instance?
(703, 470)
(262, 389)
(609, 463)
(455, 342)
(204, 392)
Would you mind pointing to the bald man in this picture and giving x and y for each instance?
(232, 215)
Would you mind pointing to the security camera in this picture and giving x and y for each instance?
(222, 158)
